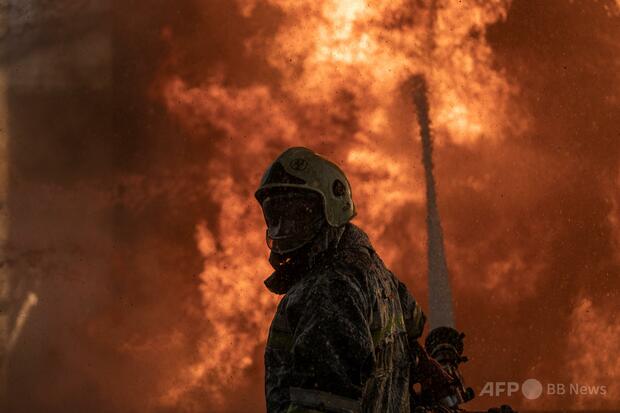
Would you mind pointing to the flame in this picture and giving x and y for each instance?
(593, 340)
(146, 247)
(233, 267)
(343, 66)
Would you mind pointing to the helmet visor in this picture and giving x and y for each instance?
(292, 219)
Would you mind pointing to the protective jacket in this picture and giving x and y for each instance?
(339, 338)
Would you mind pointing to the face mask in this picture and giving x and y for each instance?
(292, 220)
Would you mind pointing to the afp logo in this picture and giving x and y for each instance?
(532, 389)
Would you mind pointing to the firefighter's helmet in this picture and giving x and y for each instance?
(302, 168)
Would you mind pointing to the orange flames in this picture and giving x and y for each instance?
(343, 66)
(594, 338)
(342, 70)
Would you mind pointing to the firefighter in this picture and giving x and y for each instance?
(339, 341)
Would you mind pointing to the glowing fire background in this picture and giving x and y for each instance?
(135, 221)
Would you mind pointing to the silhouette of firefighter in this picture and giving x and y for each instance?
(345, 334)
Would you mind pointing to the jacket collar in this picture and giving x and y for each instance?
(290, 269)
